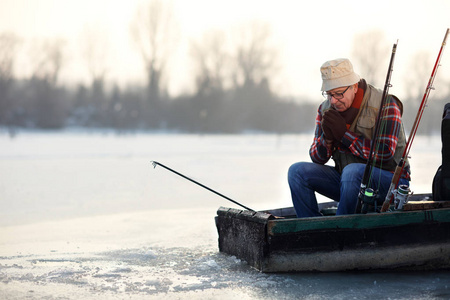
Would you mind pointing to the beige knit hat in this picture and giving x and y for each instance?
(337, 73)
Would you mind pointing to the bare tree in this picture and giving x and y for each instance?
(46, 105)
(256, 58)
(153, 31)
(46, 58)
(211, 58)
(416, 81)
(9, 43)
(255, 62)
(371, 55)
(95, 47)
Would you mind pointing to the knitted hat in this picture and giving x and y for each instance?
(338, 73)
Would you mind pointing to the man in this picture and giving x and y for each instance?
(345, 124)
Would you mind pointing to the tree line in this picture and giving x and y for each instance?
(232, 74)
(36, 104)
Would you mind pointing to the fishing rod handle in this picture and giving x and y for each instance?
(395, 178)
(387, 201)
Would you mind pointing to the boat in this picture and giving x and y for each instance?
(416, 238)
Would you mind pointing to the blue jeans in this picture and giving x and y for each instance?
(306, 178)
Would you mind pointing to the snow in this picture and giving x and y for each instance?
(86, 216)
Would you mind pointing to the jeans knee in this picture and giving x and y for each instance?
(296, 170)
(353, 172)
(293, 170)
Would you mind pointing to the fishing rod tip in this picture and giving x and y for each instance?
(154, 163)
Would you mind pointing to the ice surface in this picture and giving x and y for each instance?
(85, 216)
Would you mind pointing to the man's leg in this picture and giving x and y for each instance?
(304, 179)
(350, 185)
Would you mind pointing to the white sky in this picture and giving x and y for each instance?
(307, 34)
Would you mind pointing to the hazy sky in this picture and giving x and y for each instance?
(307, 33)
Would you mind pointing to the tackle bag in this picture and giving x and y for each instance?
(441, 180)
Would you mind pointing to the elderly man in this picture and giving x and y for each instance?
(345, 124)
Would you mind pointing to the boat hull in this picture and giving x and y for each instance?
(403, 240)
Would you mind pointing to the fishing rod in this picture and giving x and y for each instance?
(401, 164)
(364, 192)
(155, 163)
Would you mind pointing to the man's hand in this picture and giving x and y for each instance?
(333, 125)
(327, 133)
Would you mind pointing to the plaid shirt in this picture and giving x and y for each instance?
(357, 144)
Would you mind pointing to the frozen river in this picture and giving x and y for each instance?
(85, 216)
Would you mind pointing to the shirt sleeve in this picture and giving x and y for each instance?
(391, 122)
(319, 152)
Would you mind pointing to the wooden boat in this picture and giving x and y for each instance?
(415, 238)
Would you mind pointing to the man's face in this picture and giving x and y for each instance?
(341, 98)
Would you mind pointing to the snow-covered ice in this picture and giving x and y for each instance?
(85, 216)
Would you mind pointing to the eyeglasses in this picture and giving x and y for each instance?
(337, 96)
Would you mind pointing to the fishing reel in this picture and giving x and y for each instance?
(369, 201)
(370, 198)
(401, 196)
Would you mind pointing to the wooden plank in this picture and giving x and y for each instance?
(423, 205)
(286, 226)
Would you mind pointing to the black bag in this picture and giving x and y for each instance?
(441, 181)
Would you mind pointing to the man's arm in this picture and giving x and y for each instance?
(321, 149)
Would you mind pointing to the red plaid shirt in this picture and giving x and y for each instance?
(357, 144)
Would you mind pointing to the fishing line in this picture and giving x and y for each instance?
(155, 163)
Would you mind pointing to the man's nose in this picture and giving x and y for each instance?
(333, 100)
